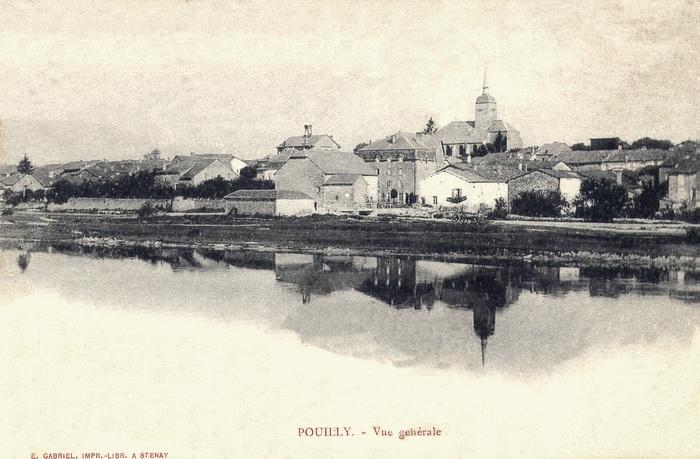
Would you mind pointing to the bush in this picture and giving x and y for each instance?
(146, 210)
(8, 211)
(500, 210)
(539, 203)
(601, 200)
(692, 235)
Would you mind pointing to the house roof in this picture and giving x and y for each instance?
(198, 167)
(401, 144)
(638, 155)
(341, 179)
(465, 132)
(338, 162)
(265, 195)
(482, 173)
(553, 148)
(686, 163)
(7, 169)
(11, 180)
(224, 157)
(302, 141)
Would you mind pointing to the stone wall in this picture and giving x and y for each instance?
(181, 204)
(533, 181)
(88, 204)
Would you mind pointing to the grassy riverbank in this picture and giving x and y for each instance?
(545, 240)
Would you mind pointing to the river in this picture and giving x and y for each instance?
(206, 353)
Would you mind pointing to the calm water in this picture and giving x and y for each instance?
(518, 319)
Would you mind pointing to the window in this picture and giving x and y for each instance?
(448, 150)
(422, 200)
(435, 200)
(388, 183)
(456, 192)
(401, 197)
(400, 184)
(378, 172)
(337, 197)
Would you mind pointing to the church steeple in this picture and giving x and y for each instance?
(485, 109)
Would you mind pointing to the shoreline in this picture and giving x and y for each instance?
(498, 243)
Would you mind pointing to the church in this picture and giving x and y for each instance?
(463, 138)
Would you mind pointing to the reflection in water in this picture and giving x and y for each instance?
(407, 284)
(23, 260)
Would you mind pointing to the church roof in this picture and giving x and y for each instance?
(408, 146)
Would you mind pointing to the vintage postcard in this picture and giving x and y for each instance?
(349, 229)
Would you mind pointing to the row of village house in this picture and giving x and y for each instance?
(311, 173)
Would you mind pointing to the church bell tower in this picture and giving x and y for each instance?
(485, 109)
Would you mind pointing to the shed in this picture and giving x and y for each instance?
(269, 202)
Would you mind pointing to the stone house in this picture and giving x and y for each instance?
(345, 191)
(682, 177)
(269, 202)
(634, 159)
(267, 167)
(567, 183)
(401, 162)
(194, 173)
(232, 161)
(548, 150)
(308, 141)
(308, 171)
(18, 183)
(471, 188)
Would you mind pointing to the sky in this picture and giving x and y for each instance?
(115, 79)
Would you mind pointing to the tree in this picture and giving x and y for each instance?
(430, 127)
(155, 154)
(580, 147)
(248, 173)
(500, 143)
(646, 204)
(25, 166)
(600, 200)
(539, 203)
(652, 143)
(359, 146)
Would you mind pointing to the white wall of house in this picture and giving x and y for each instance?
(27, 182)
(237, 165)
(215, 169)
(294, 207)
(569, 188)
(439, 186)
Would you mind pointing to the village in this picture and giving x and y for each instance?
(466, 168)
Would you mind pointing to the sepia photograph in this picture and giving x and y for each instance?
(349, 229)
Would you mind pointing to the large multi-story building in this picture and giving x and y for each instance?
(402, 161)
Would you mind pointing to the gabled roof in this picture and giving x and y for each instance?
(402, 144)
(342, 179)
(265, 195)
(482, 173)
(502, 126)
(581, 157)
(459, 132)
(198, 167)
(338, 162)
(300, 141)
(555, 173)
(552, 148)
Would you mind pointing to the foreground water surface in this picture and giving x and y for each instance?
(599, 349)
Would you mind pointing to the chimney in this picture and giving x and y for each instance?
(393, 138)
(307, 130)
